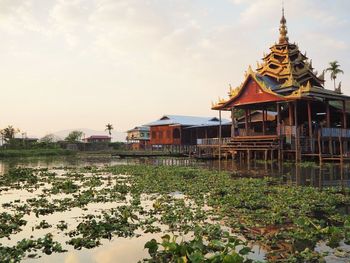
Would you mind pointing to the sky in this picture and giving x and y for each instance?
(67, 64)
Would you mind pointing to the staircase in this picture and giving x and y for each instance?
(267, 142)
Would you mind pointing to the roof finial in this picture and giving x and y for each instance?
(283, 28)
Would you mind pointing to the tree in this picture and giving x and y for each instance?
(9, 133)
(334, 69)
(74, 136)
(109, 128)
(48, 138)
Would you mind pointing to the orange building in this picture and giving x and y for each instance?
(177, 130)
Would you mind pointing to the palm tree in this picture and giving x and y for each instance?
(334, 69)
(109, 128)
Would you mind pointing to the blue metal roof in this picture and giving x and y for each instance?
(271, 83)
(186, 121)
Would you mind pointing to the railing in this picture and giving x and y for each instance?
(286, 130)
(251, 132)
(335, 132)
(212, 141)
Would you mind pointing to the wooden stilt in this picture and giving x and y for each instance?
(310, 125)
(344, 114)
(341, 149)
(263, 121)
(297, 148)
(290, 111)
(319, 147)
(246, 122)
(271, 153)
(220, 134)
(233, 122)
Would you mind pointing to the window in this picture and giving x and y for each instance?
(176, 133)
(154, 135)
(168, 134)
(160, 135)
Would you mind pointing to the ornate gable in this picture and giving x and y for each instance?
(251, 91)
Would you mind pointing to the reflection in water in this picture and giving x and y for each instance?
(307, 174)
(131, 249)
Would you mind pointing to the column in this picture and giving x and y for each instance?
(246, 121)
(344, 114)
(309, 119)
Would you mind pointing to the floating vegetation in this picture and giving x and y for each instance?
(202, 215)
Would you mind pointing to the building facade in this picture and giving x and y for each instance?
(176, 131)
(138, 138)
(309, 121)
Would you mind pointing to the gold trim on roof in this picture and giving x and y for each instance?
(297, 94)
(234, 92)
(290, 82)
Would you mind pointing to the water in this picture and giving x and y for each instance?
(131, 249)
(305, 174)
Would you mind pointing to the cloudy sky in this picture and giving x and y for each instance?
(83, 63)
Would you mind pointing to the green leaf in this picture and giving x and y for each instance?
(245, 251)
(196, 257)
(152, 246)
(233, 258)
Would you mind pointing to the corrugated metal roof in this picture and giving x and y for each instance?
(185, 121)
(139, 128)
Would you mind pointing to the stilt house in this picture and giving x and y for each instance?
(309, 121)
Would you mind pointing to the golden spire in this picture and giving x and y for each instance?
(283, 29)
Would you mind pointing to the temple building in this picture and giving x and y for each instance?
(299, 116)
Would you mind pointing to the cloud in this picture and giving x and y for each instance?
(147, 53)
(17, 16)
(325, 41)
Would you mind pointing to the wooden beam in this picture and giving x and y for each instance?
(278, 131)
(220, 128)
(278, 113)
(250, 120)
(328, 117)
(246, 121)
(290, 111)
(344, 114)
(295, 113)
(233, 122)
(309, 119)
(263, 121)
(297, 148)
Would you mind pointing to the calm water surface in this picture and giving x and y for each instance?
(305, 174)
(131, 249)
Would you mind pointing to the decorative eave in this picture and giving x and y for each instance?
(290, 82)
(235, 92)
(297, 94)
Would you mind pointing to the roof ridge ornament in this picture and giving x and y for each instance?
(283, 29)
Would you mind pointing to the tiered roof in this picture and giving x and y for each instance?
(285, 73)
